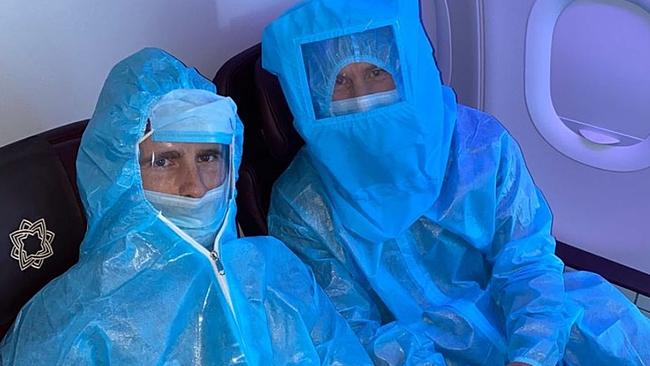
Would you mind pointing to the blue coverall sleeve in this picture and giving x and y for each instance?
(527, 281)
(391, 344)
(351, 299)
(281, 293)
(332, 337)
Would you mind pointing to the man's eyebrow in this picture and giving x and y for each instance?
(168, 154)
(371, 67)
(214, 151)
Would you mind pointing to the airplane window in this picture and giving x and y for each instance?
(586, 80)
(600, 82)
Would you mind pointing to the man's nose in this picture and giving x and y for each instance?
(360, 89)
(192, 185)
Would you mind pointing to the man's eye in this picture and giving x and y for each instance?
(341, 80)
(208, 158)
(378, 73)
(161, 163)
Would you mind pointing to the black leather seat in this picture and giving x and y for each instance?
(41, 218)
(270, 141)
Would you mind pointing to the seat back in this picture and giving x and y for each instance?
(270, 141)
(41, 217)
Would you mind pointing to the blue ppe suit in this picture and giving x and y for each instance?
(420, 219)
(142, 293)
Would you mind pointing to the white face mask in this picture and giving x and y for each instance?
(198, 217)
(364, 103)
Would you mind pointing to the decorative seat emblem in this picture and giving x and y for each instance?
(26, 230)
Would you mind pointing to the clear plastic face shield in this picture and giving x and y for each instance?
(353, 73)
(184, 169)
(186, 162)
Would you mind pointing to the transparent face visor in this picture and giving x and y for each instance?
(353, 73)
(189, 183)
(184, 169)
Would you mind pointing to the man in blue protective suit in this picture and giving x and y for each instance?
(162, 277)
(418, 215)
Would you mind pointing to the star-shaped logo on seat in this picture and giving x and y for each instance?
(26, 230)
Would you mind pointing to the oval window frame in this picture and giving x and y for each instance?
(537, 89)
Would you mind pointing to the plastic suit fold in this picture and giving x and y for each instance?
(420, 219)
(143, 293)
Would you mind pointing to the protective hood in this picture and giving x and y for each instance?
(144, 292)
(108, 169)
(382, 168)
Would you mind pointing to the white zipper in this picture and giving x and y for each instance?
(212, 256)
(217, 261)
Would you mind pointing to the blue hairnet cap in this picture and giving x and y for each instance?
(325, 59)
(193, 116)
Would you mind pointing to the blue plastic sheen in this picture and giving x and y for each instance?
(420, 219)
(141, 293)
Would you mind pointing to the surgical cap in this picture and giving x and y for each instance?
(193, 116)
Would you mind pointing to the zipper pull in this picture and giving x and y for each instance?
(217, 261)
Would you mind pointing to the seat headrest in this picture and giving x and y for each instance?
(277, 121)
(41, 222)
(270, 139)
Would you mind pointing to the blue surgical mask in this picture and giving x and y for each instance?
(364, 103)
(198, 217)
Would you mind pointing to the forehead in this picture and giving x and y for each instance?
(356, 67)
(148, 145)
